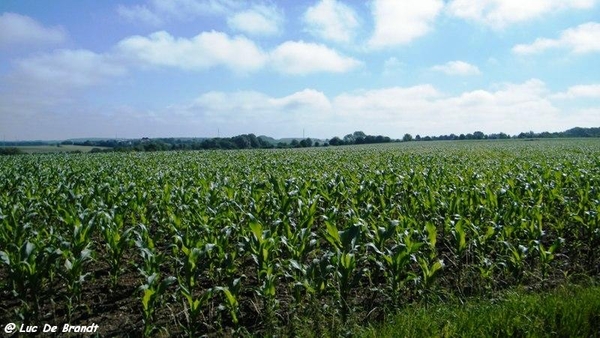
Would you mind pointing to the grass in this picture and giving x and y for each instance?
(568, 311)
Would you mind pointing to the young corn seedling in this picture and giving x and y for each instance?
(194, 262)
(28, 267)
(74, 276)
(344, 243)
(546, 255)
(396, 261)
(262, 248)
(232, 296)
(76, 249)
(155, 286)
(117, 240)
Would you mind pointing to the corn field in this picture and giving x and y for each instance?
(265, 241)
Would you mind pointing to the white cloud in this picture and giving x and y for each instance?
(67, 68)
(393, 66)
(580, 91)
(457, 68)
(156, 12)
(258, 20)
(204, 51)
(331, 20)
(298, 58)
(43, 89)
(392, 100)
(251, 102)
(421, 109)
(139, 13)
(584, 38)
(254, 112)
(401, 21)
(239, 54)
(500, 13)
(18, 29)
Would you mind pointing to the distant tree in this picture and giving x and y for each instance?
(336, 141)
(462, 137)
(254, 142)
(317, 144)
(349, 139)
(418, 137)
(478, 135)
(358, 134)
(407, 137)
(10, 151)
(295, 143)
(242, 141)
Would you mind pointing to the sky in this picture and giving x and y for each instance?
(319, 68)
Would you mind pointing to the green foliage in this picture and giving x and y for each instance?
(569, 311)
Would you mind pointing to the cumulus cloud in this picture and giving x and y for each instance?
(156, 12)
(393, 66)
(580, 91)
(250, 111)
(67, 68)
(251, 102)
(299, 57)
(17, 29)
(45, 87)
(584, 38)
(140, 13)
(204, 51)
(331, 20)
(457, 68)
(213, 49)
(399, 22)
(420, 109)
(501, 13)
(258, 20)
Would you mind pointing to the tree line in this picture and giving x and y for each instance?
(251, 141)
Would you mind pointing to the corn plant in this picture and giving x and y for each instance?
(117, 240)
(29, 266)
(154, 285)
(194, 263)
(344, 242)
(262, 247)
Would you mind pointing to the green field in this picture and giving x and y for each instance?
(45, 149)
(311, 242)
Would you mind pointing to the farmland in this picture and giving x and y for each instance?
(280, 241)
(45, 149)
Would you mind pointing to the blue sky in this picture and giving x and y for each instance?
(195, 68)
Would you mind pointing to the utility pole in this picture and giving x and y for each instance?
(218, 132)
(303, 133)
